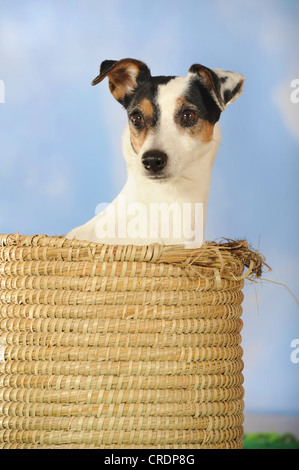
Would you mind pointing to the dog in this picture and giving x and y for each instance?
(169, 145)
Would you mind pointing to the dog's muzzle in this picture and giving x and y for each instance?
(154, 161)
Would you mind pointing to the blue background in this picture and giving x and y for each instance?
(60, 147)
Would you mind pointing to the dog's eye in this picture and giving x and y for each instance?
(137, 119)
(188, 117)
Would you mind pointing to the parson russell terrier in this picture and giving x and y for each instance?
(169, 145)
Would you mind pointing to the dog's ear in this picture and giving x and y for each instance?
(124, 76)
(224, 86)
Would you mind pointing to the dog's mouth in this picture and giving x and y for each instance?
(158, 177)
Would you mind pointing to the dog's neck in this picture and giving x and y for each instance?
(193, 185)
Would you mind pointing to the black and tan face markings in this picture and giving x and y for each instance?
(195, 113)
(143, 110)
(188, 120)
(142, 119)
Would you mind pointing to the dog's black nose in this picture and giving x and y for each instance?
(154, 160)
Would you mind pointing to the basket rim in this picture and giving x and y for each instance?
(215, 255)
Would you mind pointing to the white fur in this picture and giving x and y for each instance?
(188, 173)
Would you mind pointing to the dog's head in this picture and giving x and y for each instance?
(171, 119)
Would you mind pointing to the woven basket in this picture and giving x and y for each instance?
(121, 346)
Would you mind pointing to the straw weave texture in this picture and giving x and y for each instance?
(121, 346)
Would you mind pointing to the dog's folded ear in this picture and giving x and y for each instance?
(124, 76)
(224, 86)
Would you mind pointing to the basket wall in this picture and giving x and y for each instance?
(118, 347)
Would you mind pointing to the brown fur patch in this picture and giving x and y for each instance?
(206, 76)
(146, 108)
(207, 130)
(201, 129)
(138, 136)
(123, 79)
